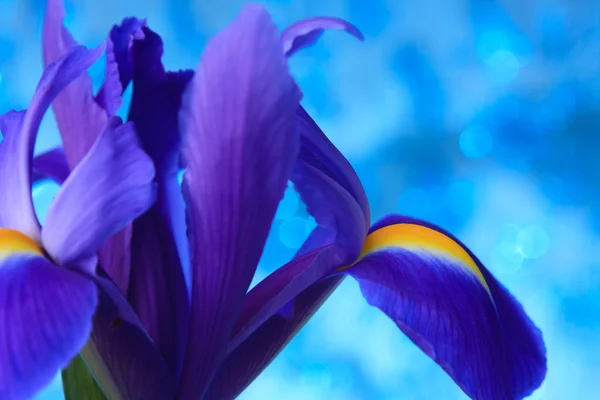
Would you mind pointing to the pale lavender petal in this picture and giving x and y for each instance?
(46, 315)
(240, 143)
(15, 170)
(306, 32)
(79, 117)
(112, 185)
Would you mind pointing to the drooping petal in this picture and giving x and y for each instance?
(16, 151)
(157, 290)
(448, 304)
(121, 355)
(51, 165)
(240, 145)
(109, 188)
(306, 32)
(46, 314)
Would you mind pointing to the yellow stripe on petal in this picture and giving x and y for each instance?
(14, 242)
(415, 237)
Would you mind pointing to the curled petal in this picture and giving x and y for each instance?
(20, 131)
(305, 33)
(448, 304)
(240, 143)
(111, 186)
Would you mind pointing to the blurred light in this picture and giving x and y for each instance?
(503, 67)
(292, 232)
(288, 205)
(180, 175)
(475, 142)
(460, 197)
(414, 202)
(506, 258)
(491, 42)
(316, 375)
(533, 242)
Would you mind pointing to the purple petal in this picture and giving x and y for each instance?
(119, 62)
(305, 33)
(240, 145)
(79, 117)
(16, 150)
(157, 289)
(448, 304)
(249, 359)
(111, 186)
(318, 151)
(121, 355)
(51, 165)
(46, 314)
(294, 291)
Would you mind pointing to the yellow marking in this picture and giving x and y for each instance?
(15, 242)
(415, 237)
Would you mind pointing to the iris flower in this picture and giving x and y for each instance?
(175, 317)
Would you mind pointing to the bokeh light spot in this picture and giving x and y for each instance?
(503, 67)
(506, 258)
(475, 142)
(533, 242)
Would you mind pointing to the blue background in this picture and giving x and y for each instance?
(480, 116)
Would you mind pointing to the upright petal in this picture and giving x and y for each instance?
(240, 145)
(16, 151)
(40, 335)
(157, 290)
(449, 305)
(306, 32)
(109, 188)
(79, 117)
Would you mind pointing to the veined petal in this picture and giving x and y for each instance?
(109, 188)
(39, 335)
(240, 143)
(306, 32)
(157, 290)
(79, 117)
(51, 165)
(448, 304)
(277, 308)
(121, 355)
(16, 150)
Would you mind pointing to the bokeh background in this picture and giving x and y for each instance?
(480, 116)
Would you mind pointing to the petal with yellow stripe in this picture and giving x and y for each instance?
(46, 314)
(441, 296)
